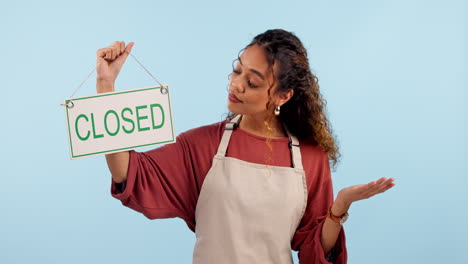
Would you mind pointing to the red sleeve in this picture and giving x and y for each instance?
(165, 182)
(306, 240)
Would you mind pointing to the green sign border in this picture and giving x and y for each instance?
(110, 94)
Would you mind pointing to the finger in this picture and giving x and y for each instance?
(381, 180)
(119, 48)
(388, 184)
(129, 47)
(122, 46)
(378, 188)
(120, 60)
(116, 43)
(388, 187)
(374, 188)
(115, 52)
(108, 53)
(101, 53)
(370, 189)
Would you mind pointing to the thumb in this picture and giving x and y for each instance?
(123, 57)
(128, 49)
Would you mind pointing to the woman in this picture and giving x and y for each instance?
(257, 185)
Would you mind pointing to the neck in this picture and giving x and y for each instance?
(256, 125)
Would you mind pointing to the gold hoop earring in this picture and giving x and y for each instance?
(277, 111)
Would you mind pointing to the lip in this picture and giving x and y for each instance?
(234, 99)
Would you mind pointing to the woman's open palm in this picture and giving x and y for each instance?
(364, 191)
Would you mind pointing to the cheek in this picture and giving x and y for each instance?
(257, 99)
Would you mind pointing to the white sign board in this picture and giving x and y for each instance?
(118, 121)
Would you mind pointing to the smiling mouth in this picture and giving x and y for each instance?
(234, 99)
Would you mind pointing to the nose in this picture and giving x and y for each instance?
(235, 84)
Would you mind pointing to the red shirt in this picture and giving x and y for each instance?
(165, 182)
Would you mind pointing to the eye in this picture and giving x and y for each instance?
(235, 67)
(251, 85)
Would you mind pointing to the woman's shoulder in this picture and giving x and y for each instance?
(316, 164)
(311, 148)
(206, 132)
(313, 155)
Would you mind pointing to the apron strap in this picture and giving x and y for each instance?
(295, 147)
(228, 128)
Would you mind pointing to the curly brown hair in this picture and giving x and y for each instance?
(304, 114)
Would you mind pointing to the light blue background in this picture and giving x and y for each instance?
(394, 74)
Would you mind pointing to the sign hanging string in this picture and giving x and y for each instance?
(69, 103)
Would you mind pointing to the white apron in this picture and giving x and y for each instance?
(247, 212)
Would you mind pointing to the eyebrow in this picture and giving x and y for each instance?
(253, 70)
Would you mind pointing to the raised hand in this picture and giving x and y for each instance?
(109, 63)
(354, 193)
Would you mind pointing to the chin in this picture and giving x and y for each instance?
(233, 109)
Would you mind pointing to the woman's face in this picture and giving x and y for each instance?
(249, 83)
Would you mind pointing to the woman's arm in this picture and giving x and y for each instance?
(118, 165)
(344, 199)
(117, 162)
(109, 63)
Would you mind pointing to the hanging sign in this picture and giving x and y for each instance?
(119, 121)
